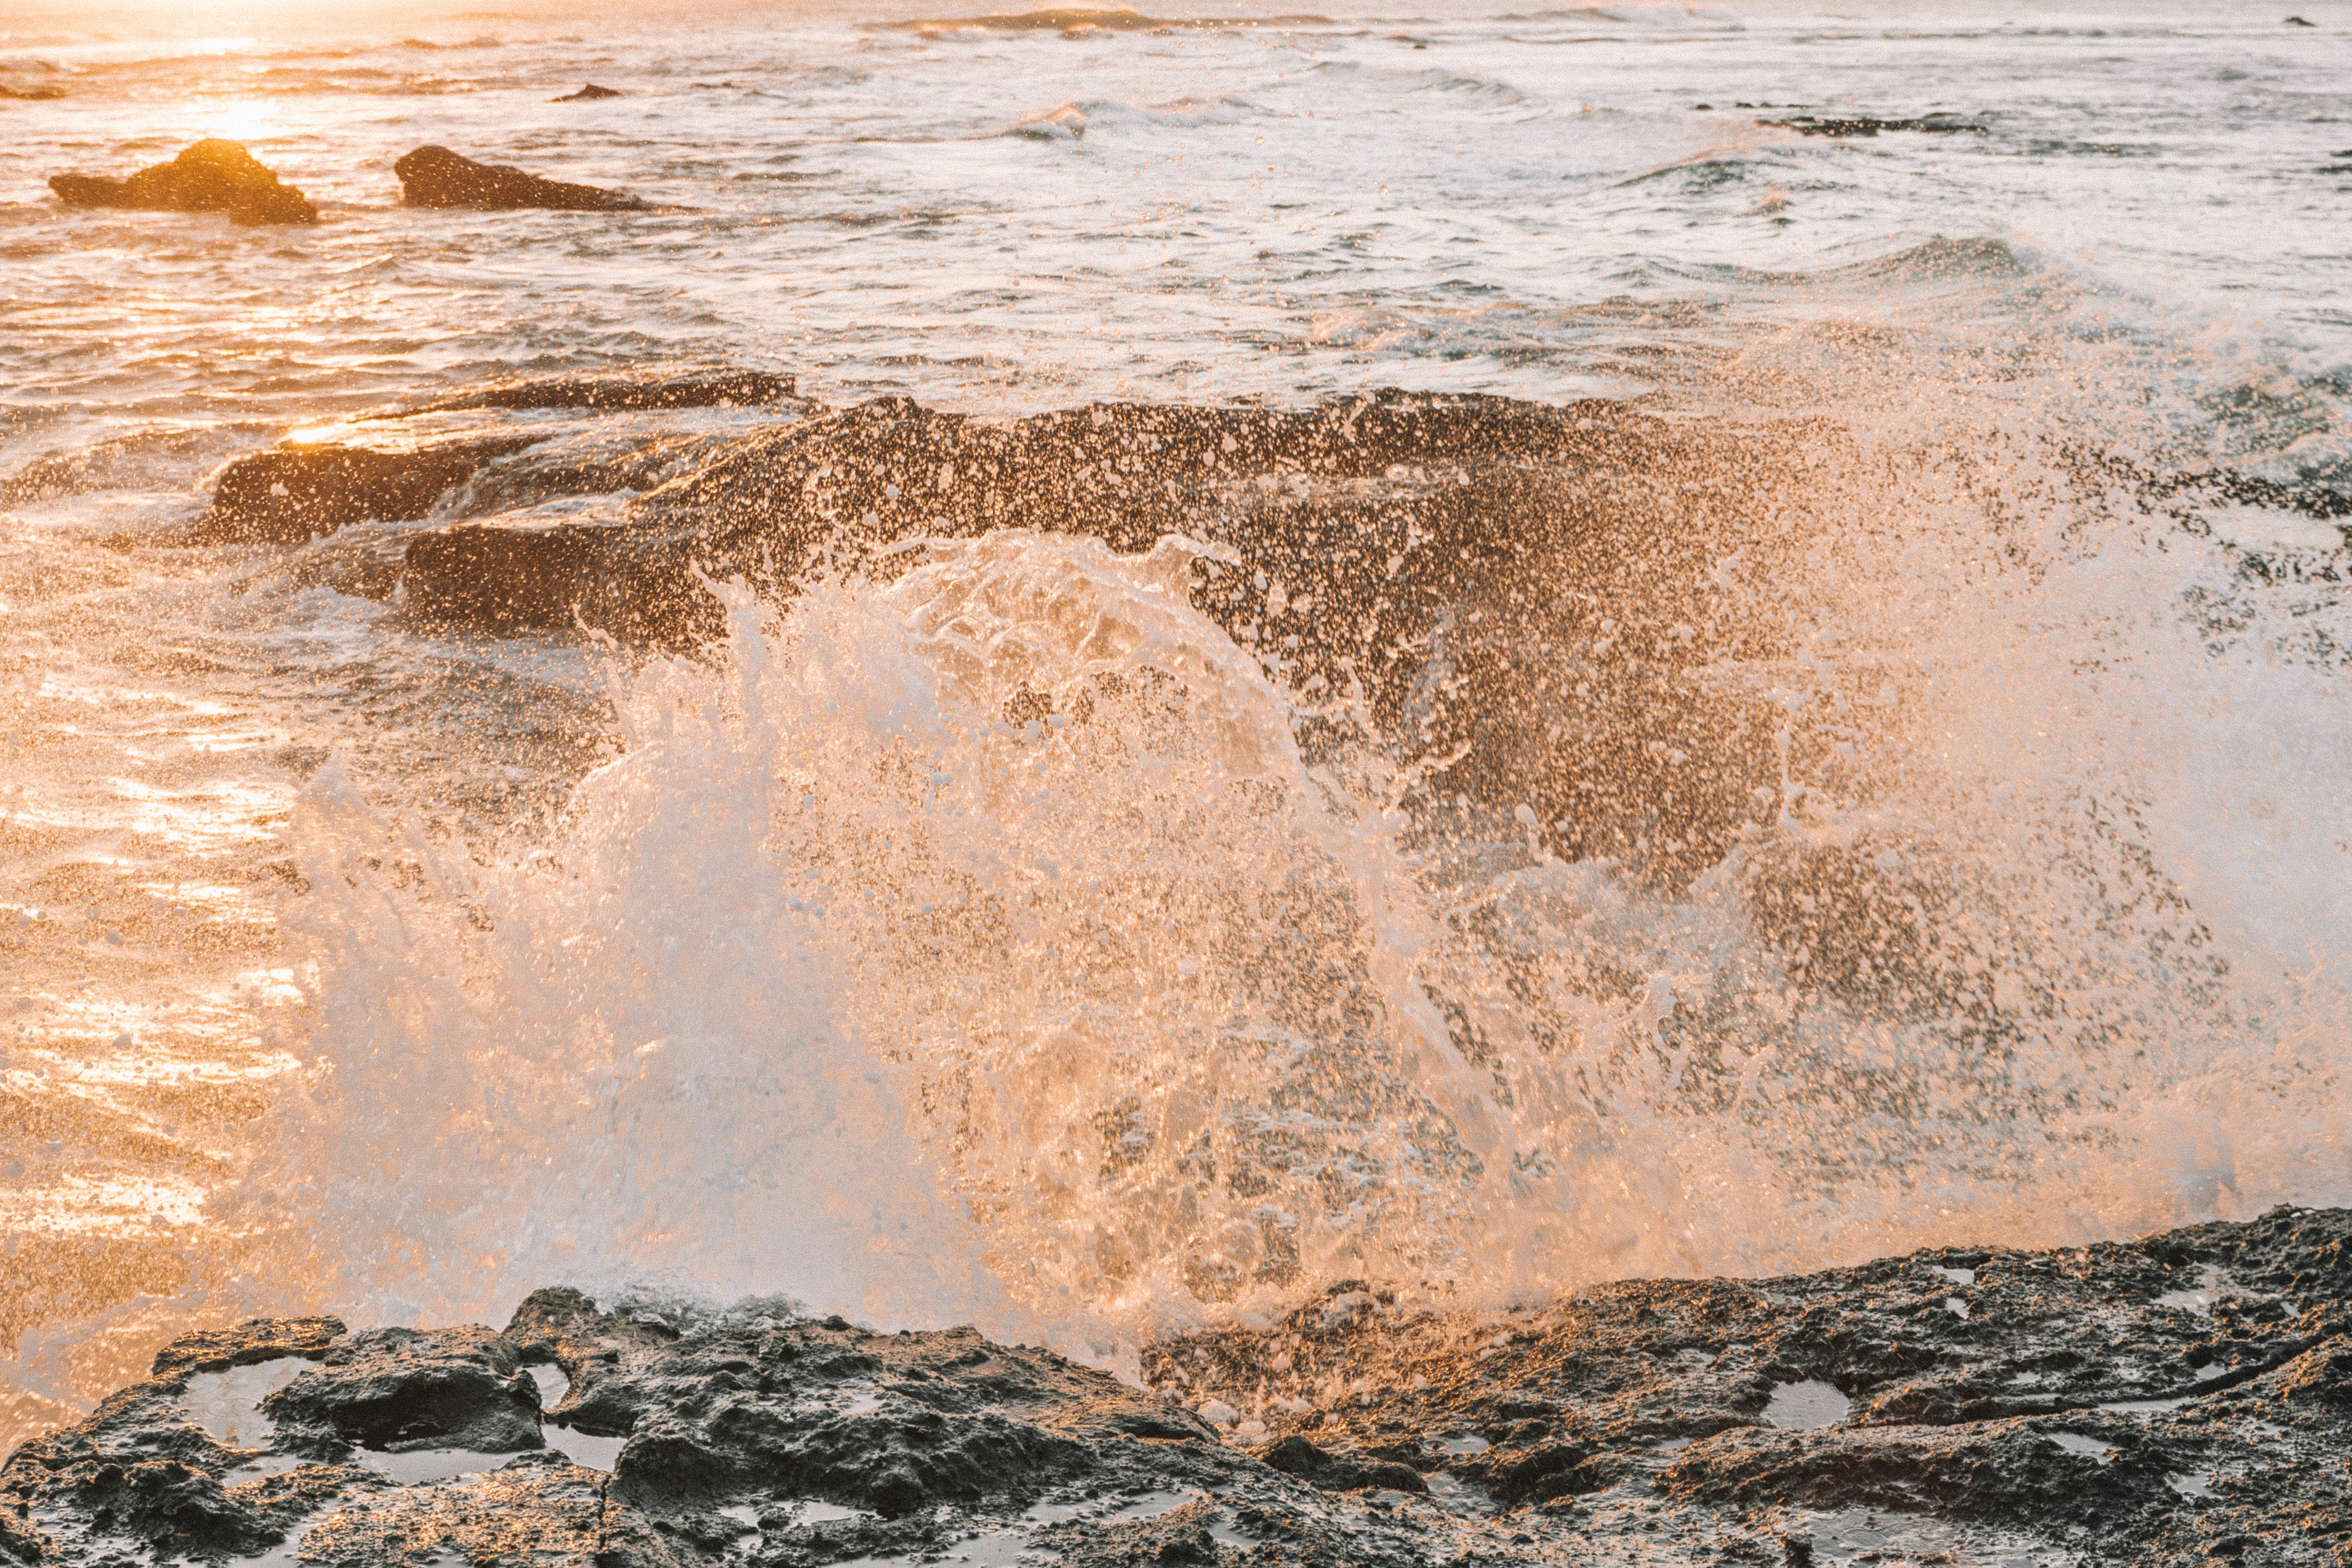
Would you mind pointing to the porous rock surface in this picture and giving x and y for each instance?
(2182, 1400)
(214, 176)
(718, 386)
(437, 177)
(1546, 608)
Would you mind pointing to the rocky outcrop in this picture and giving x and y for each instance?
(588, 93)
(400, 1389)
(298, 492)
(437, 178)
(1294, 1456)
(2169, 1403)
(214, 176)
(1555, 616)
(1394, 546)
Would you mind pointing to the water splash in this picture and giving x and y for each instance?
(982, 945)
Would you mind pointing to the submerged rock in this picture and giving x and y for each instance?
(2168, 1401)
(214, 176)
(437, 178)
(1870, 125)
(589, 91)
(619, 392)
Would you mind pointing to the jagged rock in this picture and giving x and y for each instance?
(2188, 1397)
(589, 92)
(214, 176)
(401, 1389)
(19, 1542)
(1294, 1456)
(562, 1326)
(437, 178)
(298, 492)
(255, 1340)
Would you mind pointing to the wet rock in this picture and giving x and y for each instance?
(2170, 1402)
(1870, 125)
(214, 176)
(298, 492)
(1294, 1456)
(139, 1468)
(249, 1343)
(1181, 1535)
(2132, 1400)
(562, 1326)
(437, 177)
(1399, 546)
(402, 1389)
(2001, 1472)
(588, 92)
(622, 392)
(20, 1542)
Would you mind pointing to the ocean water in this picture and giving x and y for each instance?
(357, 966)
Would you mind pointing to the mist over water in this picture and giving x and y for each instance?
(1002, 942)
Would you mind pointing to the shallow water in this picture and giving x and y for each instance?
(312, 1005)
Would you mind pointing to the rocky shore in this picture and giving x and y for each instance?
(2183, 1399)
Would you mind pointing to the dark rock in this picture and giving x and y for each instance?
(398, 1389)
(1870, 125)
(255, 1340)
(1535, 605)
(437, 178)
(1380, 537)
(214, 176)
(562, 1326)
(139, 1468)
(624, 392)
(20, 1542)
(1294, 1456)
(1613, 1424)
(1999, 1472)
(298, 492)
(591, 92)
(1181, 1536)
